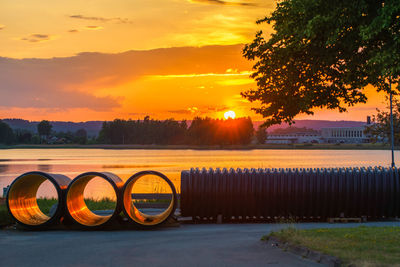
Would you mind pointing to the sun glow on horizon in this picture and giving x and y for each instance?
(230, 114)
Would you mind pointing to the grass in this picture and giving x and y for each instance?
(152, 201)
(45, 205)
(5, 218)
(102, 204)
(361, 246)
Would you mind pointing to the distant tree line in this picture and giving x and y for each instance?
(207, 131)
(44, 135)
(145, 131)
(202, 131)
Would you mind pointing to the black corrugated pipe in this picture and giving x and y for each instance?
(290, 193)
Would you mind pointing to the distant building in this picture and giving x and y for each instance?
(293, 138)
(350, 135)
(353, 135)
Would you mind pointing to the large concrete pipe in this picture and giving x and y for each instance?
(298, 193)
(22, 203)
(78, 211)
(142, 219)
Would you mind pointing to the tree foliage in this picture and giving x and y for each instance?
(44, 128)
(202, 131)
(379, 131)
(322, 54)
(23, 136)
(261, 135)
(81, 136)
(6, 134)
(207, 131)
(145, 131)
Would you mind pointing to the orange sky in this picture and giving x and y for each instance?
(199, 71)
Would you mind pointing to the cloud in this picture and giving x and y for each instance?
(204, 110)
(222, 2)
(93, 27)
(193, 109)
(34, 94)
(140, 114)
(218, 108)
(89, 27)
(37, 37)
(233, 82)
(101, 19)
(2, 26)
(180, 111)
(190, 110)
(196, 75)
(104, 82)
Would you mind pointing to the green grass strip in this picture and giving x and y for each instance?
(362, 246)
(5, 218)
(45, 205)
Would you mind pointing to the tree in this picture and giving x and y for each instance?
(146, 131)
(202, 131)
(44, 128)
(379, 131)
(66, 137)
(6, 134)
(322, 54)
(81, 136)
(207, 131)
(261, 135)
(23, 136)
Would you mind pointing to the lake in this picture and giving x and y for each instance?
(124, 163)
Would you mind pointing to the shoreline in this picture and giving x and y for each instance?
(215, 147)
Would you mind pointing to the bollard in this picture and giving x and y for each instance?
(5, 191)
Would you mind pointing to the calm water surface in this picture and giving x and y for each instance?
(124, 163)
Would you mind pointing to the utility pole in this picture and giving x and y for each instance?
(391, 122)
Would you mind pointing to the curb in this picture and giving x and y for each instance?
(305, 252)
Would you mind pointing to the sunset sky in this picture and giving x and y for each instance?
(100, 59)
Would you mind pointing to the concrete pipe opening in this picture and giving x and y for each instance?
(22, 201)
(165, 194)
(77, 206)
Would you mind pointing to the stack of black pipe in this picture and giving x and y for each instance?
(290, 193)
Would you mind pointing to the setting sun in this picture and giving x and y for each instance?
(230, 114)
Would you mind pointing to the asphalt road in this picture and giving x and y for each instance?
(187, 245)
